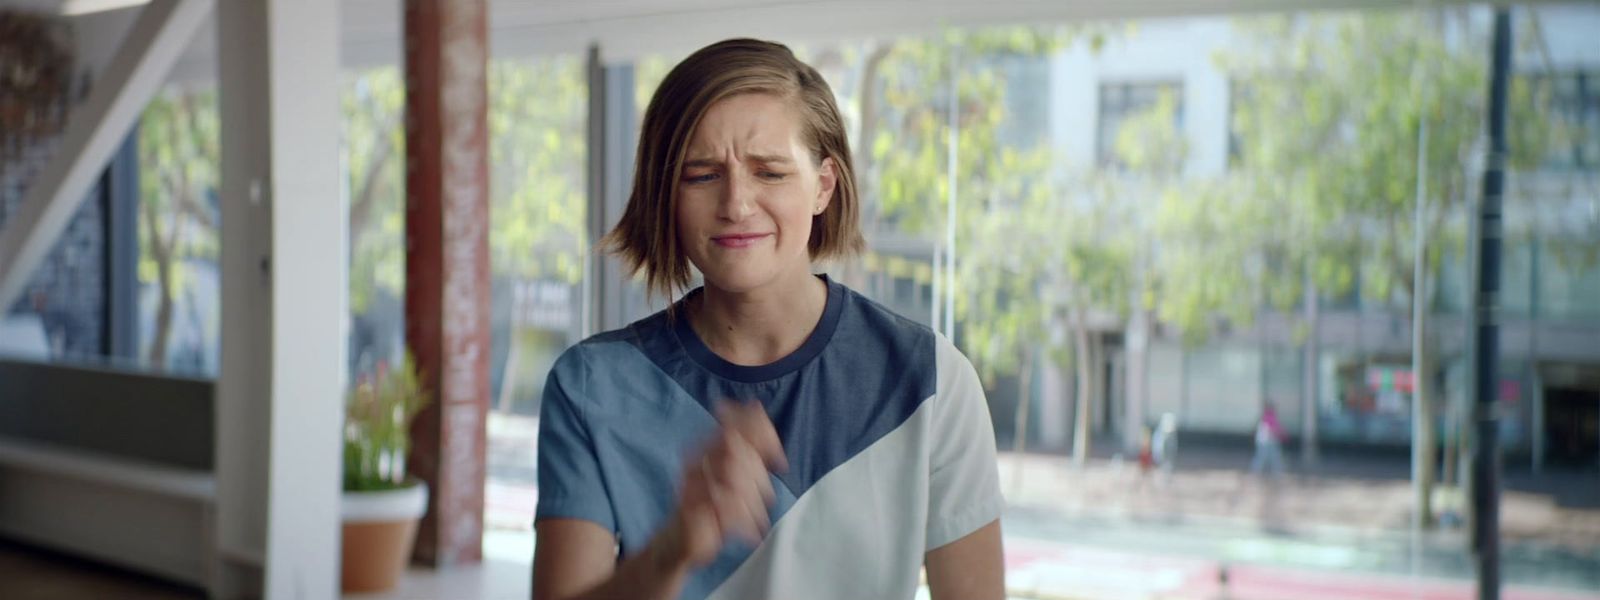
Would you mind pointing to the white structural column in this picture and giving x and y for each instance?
(284, 297)
(94, 131)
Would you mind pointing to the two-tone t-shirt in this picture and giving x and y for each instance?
(884, 424)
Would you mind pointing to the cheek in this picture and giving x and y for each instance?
(687, 230)
(797, 220)
(692, 212)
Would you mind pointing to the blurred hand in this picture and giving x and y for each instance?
(727, 489)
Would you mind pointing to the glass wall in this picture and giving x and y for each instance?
(179, 222)
(1206, 191)
(373, 106)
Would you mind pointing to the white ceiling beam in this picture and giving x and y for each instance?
(629, 29)
(95, 128)
(628, 32)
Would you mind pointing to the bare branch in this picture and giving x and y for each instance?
(366, 194)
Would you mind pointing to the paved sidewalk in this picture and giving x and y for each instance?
(1293, 504)
(1343, 526)
(1058, 571)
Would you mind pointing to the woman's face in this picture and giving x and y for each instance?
(748, 192)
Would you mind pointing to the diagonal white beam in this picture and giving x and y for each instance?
(94, 130)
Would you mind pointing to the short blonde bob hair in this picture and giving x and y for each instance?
(646, 237)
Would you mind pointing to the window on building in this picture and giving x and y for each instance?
(1568, 273)
(1574, 100)
(1121, 104)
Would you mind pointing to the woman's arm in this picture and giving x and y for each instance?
(725, 493)
(578, 562)
(963, 556)
(972, 567)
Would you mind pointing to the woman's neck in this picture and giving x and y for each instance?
(760, 326)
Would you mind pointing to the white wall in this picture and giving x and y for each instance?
(1569, 30)
(1159, 50)
(1165, 380)
(1184, 50)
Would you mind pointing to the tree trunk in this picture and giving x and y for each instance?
(158, 345)
(1423, 451)
(868, 108)
(1452, 445)
(1134, 379)
(1020, 441)
(162, 255)
(508, 375)
(367, 192)
(1309, 372)
(1083, 357)
(1024, 402)
(1099, 388)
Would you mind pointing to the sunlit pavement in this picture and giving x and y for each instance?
(1051, 570)
(1315, 506)
(1340, 527)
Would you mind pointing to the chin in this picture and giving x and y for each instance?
(739, 279)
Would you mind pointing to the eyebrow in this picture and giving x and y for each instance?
(770, 158)
(760, 158)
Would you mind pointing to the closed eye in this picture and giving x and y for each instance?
(702, 178)
(772, 175)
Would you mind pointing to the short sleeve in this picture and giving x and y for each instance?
(964, 479)
(570, 486)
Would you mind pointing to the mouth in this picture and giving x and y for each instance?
(739, 240)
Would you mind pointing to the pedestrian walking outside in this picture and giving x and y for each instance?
(1269, 444)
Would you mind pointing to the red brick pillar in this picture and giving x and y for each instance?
(447, 266)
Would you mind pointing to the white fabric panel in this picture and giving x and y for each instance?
(862, 531)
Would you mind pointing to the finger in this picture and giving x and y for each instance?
(714, 497)
(742, 475)
(760, 518)
(733, 515)
(694, 499)
(754, 525)
(753, 483)
(696, 476)
(740, 485)
(702, 533)
(764, 487)
(750, 421)
(754, 472)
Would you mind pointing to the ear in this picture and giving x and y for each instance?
(827, 182)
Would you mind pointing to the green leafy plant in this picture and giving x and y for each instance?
(377, 431)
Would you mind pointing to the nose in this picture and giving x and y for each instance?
(738, 200)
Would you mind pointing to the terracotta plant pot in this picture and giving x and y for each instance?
(379, 528)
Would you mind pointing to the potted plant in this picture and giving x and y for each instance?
(381, 506)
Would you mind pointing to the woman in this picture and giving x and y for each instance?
(1269, 443)
(773, 434)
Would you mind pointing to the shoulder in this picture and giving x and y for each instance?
(905, 333)
(867, 316)
(577, 360)
(607, 354)
(957, 377)
(906, 349)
